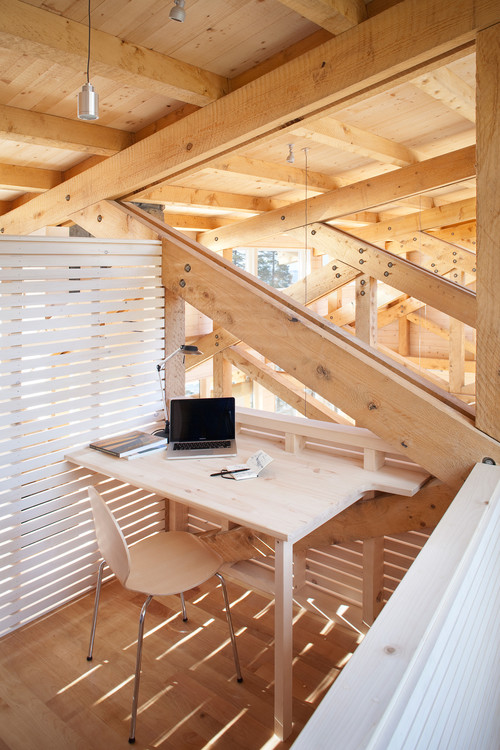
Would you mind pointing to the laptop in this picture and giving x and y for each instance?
(202, 428)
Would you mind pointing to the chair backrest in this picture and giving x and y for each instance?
(111, 542)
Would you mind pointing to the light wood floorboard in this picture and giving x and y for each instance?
(51, 698)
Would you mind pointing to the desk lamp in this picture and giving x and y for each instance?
(185, 349)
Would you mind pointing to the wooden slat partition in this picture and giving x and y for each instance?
(426, 675)
(81, 325)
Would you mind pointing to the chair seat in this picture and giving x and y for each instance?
(170, 562)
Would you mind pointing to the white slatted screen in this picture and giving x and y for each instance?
(81, 329)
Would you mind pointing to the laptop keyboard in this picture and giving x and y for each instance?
(204, 445)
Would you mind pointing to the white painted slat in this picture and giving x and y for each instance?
(46, 320)
(109, 356)
(73, 287)
(76, 245)
(83, 300)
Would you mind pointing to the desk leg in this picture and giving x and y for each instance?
(283, 638)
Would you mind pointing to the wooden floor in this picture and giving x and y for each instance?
(51, 697)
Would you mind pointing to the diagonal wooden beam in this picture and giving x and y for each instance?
(383, 516)
(437, 330)
(443, 255)
(360, 196)
(282, 386)
(408, 277)
(108, 221)
(375, 56)
(40, 33)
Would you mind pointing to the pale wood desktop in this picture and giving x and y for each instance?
(307, 484)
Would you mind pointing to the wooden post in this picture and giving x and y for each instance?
(175, 333)
(488, 232)
(366, 310)
(457, 355)
(373, 549)
(404, 336)
(223, 372)
(373, 554)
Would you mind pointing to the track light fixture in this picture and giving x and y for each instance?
(291, 156)
(177, 13)
(88, 98)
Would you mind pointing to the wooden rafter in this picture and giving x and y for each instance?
(32, 179)
(335, 16)
(285, 175)
(447, 87)
(48, 130)
(343, 137)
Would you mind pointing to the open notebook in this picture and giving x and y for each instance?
(202, 427)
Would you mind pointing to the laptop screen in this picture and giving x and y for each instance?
(201, 419)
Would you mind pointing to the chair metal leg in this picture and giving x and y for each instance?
(184, 613)
(231, 629)
(135, 697)
(96, 607)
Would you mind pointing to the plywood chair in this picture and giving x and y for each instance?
(169, 562)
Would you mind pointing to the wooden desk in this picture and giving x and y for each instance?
(306, 484)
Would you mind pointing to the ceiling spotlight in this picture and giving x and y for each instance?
(88, 98)
(291, 156)
(177, 13)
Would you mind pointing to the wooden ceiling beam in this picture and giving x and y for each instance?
(287, 176)
(375, 56)
(335, 16)
(463, 235)
(355, 140)
(368, 194)
(40, 33)
(197, 197)
(447, 87)
(58, 132)
(431, 218)
(28, 179)
(194, 223)
(290, 53)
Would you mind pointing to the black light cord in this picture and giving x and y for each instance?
(88, 50)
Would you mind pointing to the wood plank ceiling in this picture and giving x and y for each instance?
(152, 72)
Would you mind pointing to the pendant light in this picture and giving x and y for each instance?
(88, 98)
(177, 13)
